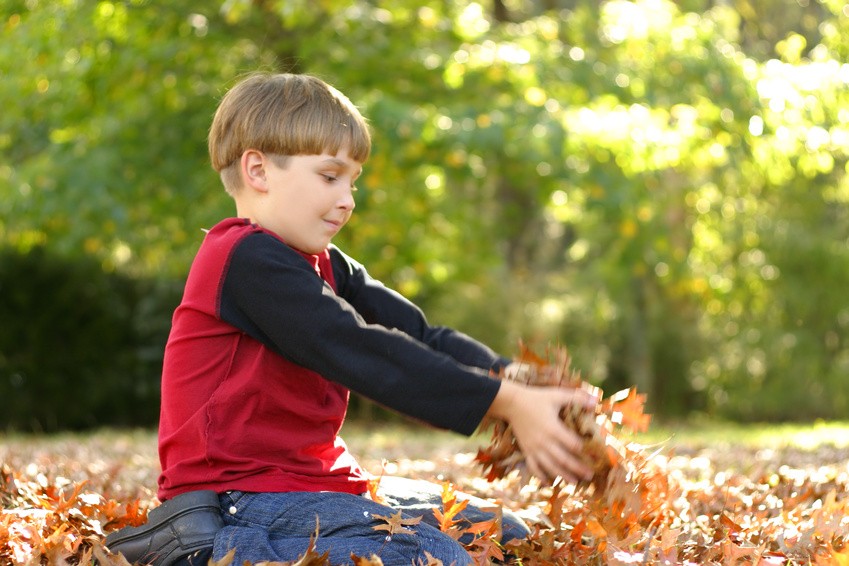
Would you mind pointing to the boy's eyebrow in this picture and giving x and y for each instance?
(339, 163)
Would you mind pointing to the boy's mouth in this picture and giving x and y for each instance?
(335, 224)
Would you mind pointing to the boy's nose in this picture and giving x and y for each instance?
(347, 201)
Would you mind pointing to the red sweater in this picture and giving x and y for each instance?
(263, 350)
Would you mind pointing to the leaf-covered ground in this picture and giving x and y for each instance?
(728, 495)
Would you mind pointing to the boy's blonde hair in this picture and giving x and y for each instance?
(283, 115)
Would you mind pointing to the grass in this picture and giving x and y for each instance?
(698, 448)
(131, 454)
(805, 436)
(402, 439)
(391, 436)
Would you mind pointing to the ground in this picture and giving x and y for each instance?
(765, 494)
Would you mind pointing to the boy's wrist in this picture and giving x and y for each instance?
(504, 401)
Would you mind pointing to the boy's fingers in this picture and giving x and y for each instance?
(563, 455)
(573, 396)
(573, 446)
(572, 459)
(588, 399)
(561, 465)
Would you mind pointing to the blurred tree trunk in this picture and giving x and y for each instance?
(639, 345)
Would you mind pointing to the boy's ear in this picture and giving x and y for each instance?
(253, 169)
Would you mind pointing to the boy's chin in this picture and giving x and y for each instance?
(314, 249)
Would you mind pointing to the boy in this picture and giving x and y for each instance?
(277, 325)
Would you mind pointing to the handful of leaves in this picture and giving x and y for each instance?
(598, 427)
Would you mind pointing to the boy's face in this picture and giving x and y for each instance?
(309, 200)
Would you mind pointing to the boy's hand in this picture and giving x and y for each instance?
(550, 447)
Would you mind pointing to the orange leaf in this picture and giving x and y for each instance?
(729, 523)
(373, 485)
(595, 528)
(578, 531)
(361, 561)
(626, 409)
(450, 508)
(527, 356)
(841, 558)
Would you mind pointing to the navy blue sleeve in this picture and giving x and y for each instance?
(378, 304)
(274, 295)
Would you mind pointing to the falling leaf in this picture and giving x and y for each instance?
(626, 408)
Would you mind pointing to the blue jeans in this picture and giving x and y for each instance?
(278, 526)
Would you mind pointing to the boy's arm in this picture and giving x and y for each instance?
(378, 304)
(272, 293)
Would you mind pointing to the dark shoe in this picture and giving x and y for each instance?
(180, 531)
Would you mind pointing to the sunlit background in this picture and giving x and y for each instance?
(660, 186)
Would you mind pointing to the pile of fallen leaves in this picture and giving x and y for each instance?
(640, 507)
(634, 511)
(57, 522)
(599, 427)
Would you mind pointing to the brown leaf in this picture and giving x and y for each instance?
(311, 557)
(429, 560)
(106, 558)
(395, 524)
(484, 547)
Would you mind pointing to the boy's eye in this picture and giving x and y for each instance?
(329, 178)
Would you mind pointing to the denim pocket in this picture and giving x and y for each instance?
(231, 503)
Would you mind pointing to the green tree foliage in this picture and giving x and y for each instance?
(661, 186)
(104, 149)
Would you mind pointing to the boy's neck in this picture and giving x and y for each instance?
(244, 211)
